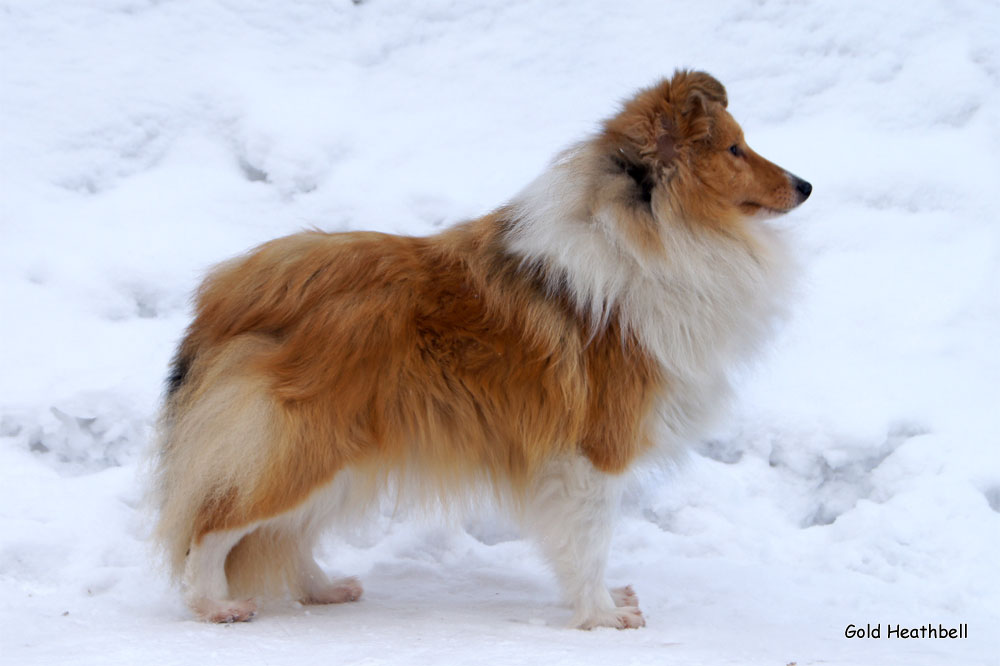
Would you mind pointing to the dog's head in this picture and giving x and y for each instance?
(677, 139)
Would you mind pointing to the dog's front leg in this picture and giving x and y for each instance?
(571, 512)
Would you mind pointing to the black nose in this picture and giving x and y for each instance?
(804, 188)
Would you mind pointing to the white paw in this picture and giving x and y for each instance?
(624, 617)
(624, 596)
(335, 592)
(224, 610)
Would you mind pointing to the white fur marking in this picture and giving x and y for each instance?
(205, 578)
(699, 311)
(570, 512)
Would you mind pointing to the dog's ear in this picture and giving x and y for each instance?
(644, 131)
(693, 95)
(666, 140)
(700, 84)
(654, 127)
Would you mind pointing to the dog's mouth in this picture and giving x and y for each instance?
(753, 209)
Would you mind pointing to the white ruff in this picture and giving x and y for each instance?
(700, 311)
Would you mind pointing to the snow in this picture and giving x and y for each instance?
(856, 478)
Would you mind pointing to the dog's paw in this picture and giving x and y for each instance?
(335, 592)
(224, 611)
(624, 596)
(624, 617)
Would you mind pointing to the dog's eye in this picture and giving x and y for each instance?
(735, 149)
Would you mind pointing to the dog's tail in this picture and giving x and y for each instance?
(212, 444)
(227, 443)
(212, 401)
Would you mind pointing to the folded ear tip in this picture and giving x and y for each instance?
(686, 82)
(660, 120)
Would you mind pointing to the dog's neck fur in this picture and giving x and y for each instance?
(701, 306)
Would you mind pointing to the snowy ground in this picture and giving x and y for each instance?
(857, 479)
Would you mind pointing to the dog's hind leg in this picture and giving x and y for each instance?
(570, 512)
(317, 588)
(205, 578)
(624, 596)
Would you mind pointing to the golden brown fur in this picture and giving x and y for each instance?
(457, 359)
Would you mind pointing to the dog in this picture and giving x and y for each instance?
(531, 357)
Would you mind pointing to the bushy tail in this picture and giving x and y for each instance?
(211, 448)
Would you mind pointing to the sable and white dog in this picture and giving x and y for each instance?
(539, 352)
